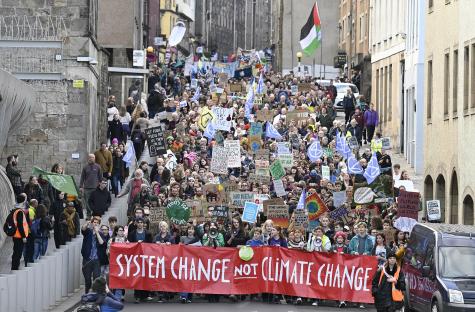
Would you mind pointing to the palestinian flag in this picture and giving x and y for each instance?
(311, 33)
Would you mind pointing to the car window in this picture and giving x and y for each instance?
(343, 88)
(417, 247)
(457, 262)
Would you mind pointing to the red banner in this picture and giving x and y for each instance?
(179, 268)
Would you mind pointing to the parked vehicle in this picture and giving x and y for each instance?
(439, 267)
(341, 88)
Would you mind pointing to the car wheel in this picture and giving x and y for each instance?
(435, 307)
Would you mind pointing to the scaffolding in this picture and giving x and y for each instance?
(30, 28)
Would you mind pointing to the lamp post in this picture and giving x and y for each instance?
(299, 58)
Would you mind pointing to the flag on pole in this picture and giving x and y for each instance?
(197, 94)
(272, 132)
(62, 182)
(372, 171)
(311, 32)
(129, 156)
(301, 203)
(210, 131)
(249, 100)
(315, 151)
(260, 85)
(354, 166)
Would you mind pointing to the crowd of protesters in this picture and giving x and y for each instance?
(185, 171)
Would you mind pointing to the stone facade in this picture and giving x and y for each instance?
(65, 120)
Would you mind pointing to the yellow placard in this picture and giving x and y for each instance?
(78, 84)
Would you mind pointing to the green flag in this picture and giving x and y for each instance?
(62, 182)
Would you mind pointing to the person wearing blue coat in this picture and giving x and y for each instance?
(103, 297)
(361, 244)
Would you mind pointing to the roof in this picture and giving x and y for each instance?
(456, 229)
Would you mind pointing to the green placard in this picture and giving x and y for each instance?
(277, 170)
(178, 212)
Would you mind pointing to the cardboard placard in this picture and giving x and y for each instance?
(221, 213)
(287, 160)
(198, 212)
(223, 118)
(339, 199)
(260, 199)
(156, 141)
(326, 172)
(305, 87)
(250, 212)
(300, 218)
(284, 148)
(214, 194)
(386, 142)
(279, 188)
(408, 204)
(339, 213)
(265, 115)
(238, 199)
(279, 214)
(256, 129)
(353, 142)
(235, 87)
(157, 214)
(255, 143)
(223, 78)
(297, 115)
(258, 178)
(433, 210)
(273, 201)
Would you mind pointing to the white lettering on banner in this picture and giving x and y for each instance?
(233, 148)
(223, 118)
(270, 269)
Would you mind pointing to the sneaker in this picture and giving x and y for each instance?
(188, 301)
(362, 306)
(137, 301)
(342, 304)
(149, 298)
(183, 300)
(298, 301)
(315, 303)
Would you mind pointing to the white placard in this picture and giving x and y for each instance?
(433, 210)
(233, 149)
(138, 58)
(223, 118)
(279, 188)
(219, 161)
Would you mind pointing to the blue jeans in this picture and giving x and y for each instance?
(115, 181)
(41, 245)
(187, 296)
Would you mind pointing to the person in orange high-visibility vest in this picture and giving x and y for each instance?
(22, 230)
(388, 286)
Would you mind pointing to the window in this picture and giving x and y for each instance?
(466, 68)
(390, 87)
(455, 81)
(429, 90)
(431, 5)
(446, 84)
(377, 91)
(385, 93)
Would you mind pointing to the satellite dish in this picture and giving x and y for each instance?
(177, 34)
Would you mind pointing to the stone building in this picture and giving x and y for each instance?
(450, 108)
(387, 45)
(353, 29)
(225, 25)
(55, 51)
(294, 16)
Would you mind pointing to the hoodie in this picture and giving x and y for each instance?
(111, 303)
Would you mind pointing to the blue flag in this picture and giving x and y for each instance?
(315, 151)
(303, 197)
(339, 146)
(354, 166)
(272, 132)
(260, 85)
(196, 96)
(346, 150)
(210, 131)
(372, 171)
(249, 100)
(129, 156)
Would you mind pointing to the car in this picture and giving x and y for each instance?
(323, 82)
(341, 92)
(439, 268)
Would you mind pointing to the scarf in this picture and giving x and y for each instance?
(70, 221)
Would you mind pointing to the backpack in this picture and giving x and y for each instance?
(9, 226)
(36, 228)
(88, 307)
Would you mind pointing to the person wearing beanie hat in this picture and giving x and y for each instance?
(102, 297)
(388, 285)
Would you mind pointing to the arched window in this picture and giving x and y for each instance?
(440, 194)
(468, 210)
(454, 198)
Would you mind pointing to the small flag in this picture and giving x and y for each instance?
(346, 150)
(301, 203)
(339, 146)
(210, 131)
(62, 182)
(260, 85)
(272, 132)
(372, 171)
(129, 156)
(315, 151)
(249, 100)
(197, 94)
(311, 32)
(354, 166)
(315, 207)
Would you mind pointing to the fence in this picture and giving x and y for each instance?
(53, 278)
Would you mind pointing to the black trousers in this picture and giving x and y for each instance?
(370, 132)
(91, 269)
(18, 246)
